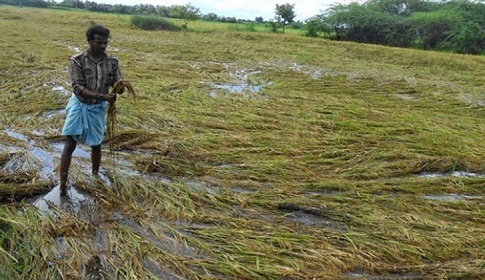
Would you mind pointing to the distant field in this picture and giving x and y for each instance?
(247, 155)
(206, 26)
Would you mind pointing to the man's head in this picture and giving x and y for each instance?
(97, 37)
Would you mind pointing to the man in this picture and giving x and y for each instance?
(92, 73)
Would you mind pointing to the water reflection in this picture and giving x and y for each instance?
(452, 197)
(246, 82)
(16, 135)
(459, 174)
(78, 152)
(238, 88)
(61, 90)
(73, 203)
(46, 163)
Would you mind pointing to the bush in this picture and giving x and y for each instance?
(313, 28)
(251, 27)
(296, 25)
(153, 23)
(273, 26)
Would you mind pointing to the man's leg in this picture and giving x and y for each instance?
(69, 147)
(96, 158)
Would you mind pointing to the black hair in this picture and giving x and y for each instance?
(97, 29)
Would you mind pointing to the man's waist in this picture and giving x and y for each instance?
(87, 100)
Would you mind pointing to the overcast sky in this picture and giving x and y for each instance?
(241, 9)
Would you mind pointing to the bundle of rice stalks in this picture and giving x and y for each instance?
(118, 88)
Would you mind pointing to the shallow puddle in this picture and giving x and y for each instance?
(240, 190)
(458, 174)
(43, 156)
(52, 114)
(75, 202)
(306, 219)
(315, 72)
(80, 151)
(46, 163)
(313, 216)
(40, 158)
(404, 96)
(238, 88)
(61, 90)
(157, 270)
(453, 197)
(246, 82)
(358, 274)
(34, 156)
(16, 135)
(75, 49)
(320, 193)
(202, 187)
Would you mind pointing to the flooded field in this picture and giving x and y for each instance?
(245, 156)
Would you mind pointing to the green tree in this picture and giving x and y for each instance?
(402, 7)
(314, 26)
(434, 28)
(285, 14)
(469, 39)
(366, 24)
(210, 17)
(456, 25)
(468, 34)
(186, 12)
(273, 26)
(259, 19)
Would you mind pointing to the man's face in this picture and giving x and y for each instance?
(99, 44)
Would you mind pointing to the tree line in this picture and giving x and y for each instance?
(284, 14)
(174, 11)
(456, 26)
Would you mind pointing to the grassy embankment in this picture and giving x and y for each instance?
(315, 175)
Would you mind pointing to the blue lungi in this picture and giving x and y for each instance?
(85, 123)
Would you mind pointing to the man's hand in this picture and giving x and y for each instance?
(110, 97)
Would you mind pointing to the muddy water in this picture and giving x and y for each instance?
(61, 90)
(75, 202)
(157, 270)
(453, 197)
(53, 114)
(46, 162)
(360, 274)
(245, 83)
(238, 88)
(79, 152)
(43, 157)
(16, 135)
(456, 197)
(458, 174)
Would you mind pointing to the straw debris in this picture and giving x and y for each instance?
(118, 88)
